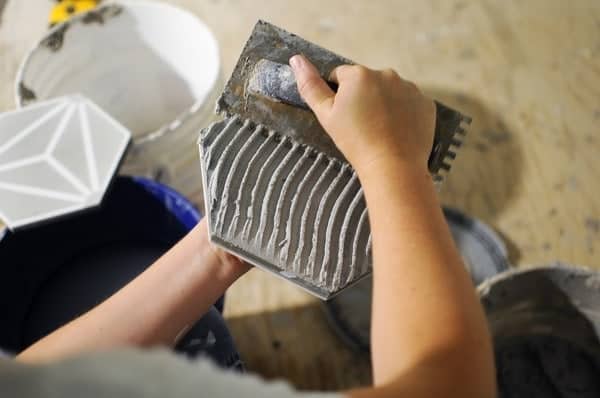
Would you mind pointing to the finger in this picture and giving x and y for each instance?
(339, 73)
(313, 89)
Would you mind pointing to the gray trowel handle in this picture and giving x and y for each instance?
(277, 82)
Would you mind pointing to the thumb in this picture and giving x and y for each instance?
(313, 89)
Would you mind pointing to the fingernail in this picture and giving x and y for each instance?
(296, 62)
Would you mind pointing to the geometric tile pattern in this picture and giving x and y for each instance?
(56, 157)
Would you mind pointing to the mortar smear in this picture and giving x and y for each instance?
(285, 206)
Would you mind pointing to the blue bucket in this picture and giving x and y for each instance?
(52, 273)
(177, 204)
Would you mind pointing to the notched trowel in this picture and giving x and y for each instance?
(277, 190)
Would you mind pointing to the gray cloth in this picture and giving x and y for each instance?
(133, 373)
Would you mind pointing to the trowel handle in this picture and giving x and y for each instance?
(277, 82)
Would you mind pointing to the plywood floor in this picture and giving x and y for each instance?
(527, 72)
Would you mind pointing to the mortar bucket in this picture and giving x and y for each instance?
(546, 327)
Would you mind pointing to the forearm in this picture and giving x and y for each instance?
(153, 309)
(426, 316)
(429, 336)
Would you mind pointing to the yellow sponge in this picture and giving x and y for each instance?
(65, 9)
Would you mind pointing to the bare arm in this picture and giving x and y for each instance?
(153, 309)
(429, 336)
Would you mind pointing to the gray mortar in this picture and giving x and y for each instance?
(334, 250)
(546, 327)
(295, 210)
(352, 218)
(272, 199)
(283, 208)
(297, 206)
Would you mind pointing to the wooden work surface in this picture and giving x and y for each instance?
(527, 72)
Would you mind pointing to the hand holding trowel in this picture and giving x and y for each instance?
(278, 191)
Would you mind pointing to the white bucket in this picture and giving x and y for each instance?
(152, 66)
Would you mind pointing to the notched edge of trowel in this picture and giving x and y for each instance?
(450, 129)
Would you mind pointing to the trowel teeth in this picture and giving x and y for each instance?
(461, 131)
(445, 166)
(451, 155)
(456, 142)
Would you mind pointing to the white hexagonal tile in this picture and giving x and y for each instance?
(56, 157)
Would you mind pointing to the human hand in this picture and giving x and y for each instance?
(374, 116)
(234, 264)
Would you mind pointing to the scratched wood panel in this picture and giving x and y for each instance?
(527, 72)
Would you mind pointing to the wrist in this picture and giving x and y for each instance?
(224, 266)
(230, 268)
(395, 167)
(397, 182)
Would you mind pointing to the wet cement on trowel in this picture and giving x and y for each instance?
(285, 204)
(546, 366)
